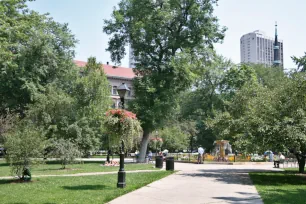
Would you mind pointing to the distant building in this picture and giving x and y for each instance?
(131, 57)
(256, 47)
(116, 76)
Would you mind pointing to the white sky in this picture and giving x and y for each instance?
(85, 19)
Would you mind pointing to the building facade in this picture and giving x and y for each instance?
(116, 76)
(256, 47)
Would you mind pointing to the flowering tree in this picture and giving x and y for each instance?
(122, 125)
(155, 143)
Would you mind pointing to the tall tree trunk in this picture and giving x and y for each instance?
(302, 165)
(301, 162)
(143, 147)
(191, 144)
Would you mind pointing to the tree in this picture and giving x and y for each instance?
(155, 143)
(260, 117)
(301, 62)
(24, 146)
(169, 40)
(65, 150)
(174, 138)
(35, 51)
(268, 76)
(7, 121)
(75, 109)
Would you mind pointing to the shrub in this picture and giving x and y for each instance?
(65, 150)
(24, 147)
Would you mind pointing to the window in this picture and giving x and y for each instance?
(115, 90)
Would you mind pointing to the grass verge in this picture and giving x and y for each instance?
(54, 168)
(82, 189)
(281, 187)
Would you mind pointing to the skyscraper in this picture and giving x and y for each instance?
(277, 50)
(256, 47)
(131, 57)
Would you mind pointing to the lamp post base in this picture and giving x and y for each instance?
(121, 179)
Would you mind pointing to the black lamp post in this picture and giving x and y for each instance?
(122, 89)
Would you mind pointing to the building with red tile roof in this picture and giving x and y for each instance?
(112, 71)
(116, 76)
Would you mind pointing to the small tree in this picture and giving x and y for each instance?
(155, 143)
(65, 150)
(24, 147)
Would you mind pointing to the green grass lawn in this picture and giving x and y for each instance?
(80, 189)
(53, 167)
(281, 187)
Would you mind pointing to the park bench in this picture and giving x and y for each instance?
(281, 161)
(290, 162)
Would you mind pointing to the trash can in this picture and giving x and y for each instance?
(170, 163)
(159, 162)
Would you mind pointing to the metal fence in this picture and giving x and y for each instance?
(193, 157)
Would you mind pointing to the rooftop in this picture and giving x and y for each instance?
(112, 71)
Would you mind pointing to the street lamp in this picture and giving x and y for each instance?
(122, 89)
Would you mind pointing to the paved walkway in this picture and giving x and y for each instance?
(82, 174)
(203, 184)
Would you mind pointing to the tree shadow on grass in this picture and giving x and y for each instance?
(86, 187)
(6, 181)
(77, 162)
(15, 181)
(277, 179)
(4, 164)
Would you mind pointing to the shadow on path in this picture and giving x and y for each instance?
(228, 176)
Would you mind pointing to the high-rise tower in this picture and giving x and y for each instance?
(257, 47)
(276, 48)
(131, 57)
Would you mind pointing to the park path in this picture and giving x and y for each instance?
(82, 174)
(203, 184)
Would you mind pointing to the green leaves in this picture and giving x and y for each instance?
(74, 108)
(35, 51)
(301, 62)
(168, 38)
(25, 146)
(262, 117)
(64, 150)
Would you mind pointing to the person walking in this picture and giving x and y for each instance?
(200, 154)
(150, 156)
